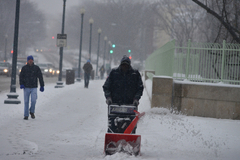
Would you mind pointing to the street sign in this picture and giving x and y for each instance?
(62, 40)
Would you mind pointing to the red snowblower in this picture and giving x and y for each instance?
(121, 137)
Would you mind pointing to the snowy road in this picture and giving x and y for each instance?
(71, 123)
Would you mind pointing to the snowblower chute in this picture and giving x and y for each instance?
(122, 122)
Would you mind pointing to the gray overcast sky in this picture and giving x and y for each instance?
(54, 6)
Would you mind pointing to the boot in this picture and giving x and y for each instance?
(32, 115)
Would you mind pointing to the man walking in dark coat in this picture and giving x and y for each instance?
(123, 85)
(28, 78)
(87, 67)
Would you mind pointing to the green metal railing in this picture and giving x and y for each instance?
(200, 62)
(161, 61)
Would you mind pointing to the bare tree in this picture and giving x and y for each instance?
(31, 28)
(128, 24)
(180, 19)
(7, 26)
(227, 13)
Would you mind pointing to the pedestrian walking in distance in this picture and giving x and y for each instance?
(102, 71)
(87, 67)
(28, 79)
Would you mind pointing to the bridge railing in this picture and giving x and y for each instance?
(199, 62)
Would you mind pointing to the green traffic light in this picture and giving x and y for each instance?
(129, 50)
(111, 51)
(113, 45)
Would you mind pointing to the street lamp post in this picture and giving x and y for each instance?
(105, 43)
(5, 57)
(90, 40)
(82, 11)
(99, 33)
(12, 96)
(110, 59)
(60, 82)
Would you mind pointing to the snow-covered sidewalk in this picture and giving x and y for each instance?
(71, 123)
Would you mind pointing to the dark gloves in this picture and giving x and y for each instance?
(109, 100)
(22, 86)
(135, 102)
(41, 88)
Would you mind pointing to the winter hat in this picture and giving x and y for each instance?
(125, 60)
(88, 60)
(29, 57)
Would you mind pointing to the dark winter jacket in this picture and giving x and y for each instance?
(123, 88)
(29, 76)
(87, 67)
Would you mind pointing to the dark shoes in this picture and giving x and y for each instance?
(32, 115)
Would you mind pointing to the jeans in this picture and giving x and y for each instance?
(86, 79)
(27, 93)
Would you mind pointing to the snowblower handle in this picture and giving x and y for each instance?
(138, 114)
(134, 122)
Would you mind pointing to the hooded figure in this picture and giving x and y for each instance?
(124, 84)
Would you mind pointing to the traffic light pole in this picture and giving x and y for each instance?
(60, 83)
(99, 33)
(80, 47)
(12, 96)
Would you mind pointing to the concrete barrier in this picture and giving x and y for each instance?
(196, 99)
(162, 91)
(147, 71)
(216, 101)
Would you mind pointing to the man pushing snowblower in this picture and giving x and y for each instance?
(123, 89)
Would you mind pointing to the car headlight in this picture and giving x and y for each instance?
(5, 70)
(45, 70)
(58, 71)
(50, 70)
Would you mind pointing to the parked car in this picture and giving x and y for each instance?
(5, 68)
(47, 69)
